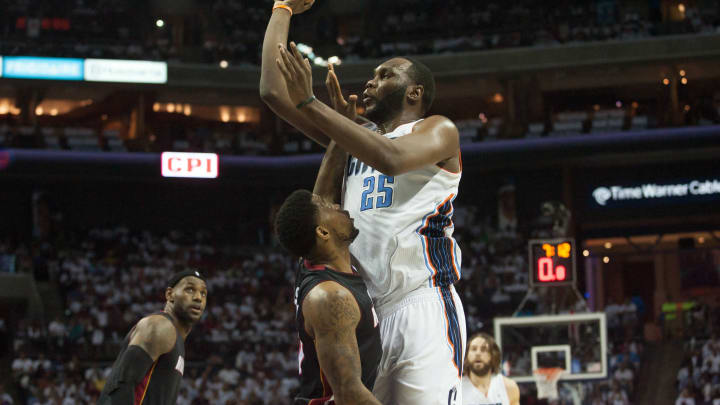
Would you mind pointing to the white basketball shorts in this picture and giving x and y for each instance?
(423, 339)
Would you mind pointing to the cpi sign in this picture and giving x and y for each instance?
(193, 165)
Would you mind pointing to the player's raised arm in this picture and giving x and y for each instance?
(153, 336)
(273, 90)
(331, 315)
(328, 184)
(434, 140)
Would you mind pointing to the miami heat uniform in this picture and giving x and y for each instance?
(497, 394)
(409, 259)
(314, 386)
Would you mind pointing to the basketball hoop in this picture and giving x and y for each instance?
(546, 380)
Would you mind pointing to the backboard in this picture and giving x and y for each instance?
(574, 342)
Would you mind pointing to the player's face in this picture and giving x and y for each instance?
(337, 221)
(385, 93)
(479, 358)
(189, 298)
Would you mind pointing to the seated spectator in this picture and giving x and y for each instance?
(685, 398)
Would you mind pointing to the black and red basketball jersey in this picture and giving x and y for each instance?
(314, 387)
(161, 383)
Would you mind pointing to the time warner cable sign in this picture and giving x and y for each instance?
(606, 196)
(91, 70)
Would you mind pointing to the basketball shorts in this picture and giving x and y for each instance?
(423, 340)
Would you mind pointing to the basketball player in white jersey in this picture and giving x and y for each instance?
(482, 383)
(401, 179)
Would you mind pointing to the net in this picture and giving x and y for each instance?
(546, 380)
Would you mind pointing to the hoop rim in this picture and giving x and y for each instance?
(550, 373)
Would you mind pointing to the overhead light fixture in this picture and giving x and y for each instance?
(159, 23)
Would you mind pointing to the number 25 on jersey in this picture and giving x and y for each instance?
(383, 197)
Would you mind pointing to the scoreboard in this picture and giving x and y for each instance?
(551, 262)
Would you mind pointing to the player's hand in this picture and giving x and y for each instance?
(297, 6)
(297, 73)
(346, 108)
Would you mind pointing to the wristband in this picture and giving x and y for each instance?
(285, 6)
(306, 102)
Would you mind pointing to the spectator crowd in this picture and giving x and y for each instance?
(244, 350)
(232, 30)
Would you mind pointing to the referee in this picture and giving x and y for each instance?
(151, 363)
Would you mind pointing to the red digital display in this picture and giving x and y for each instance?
(552, 262)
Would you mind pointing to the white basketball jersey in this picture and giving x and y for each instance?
(497, 394)
(405, 224)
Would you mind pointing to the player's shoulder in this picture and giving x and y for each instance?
(436, 121)
(330, 302)
(157, 327)
(511, 387)
(327, 292)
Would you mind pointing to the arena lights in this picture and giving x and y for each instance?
(92, 70)
(223, 64)
(317, 60)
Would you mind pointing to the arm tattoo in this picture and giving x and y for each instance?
(336, 318)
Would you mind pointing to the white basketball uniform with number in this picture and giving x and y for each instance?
(497, 394)
(409, 260)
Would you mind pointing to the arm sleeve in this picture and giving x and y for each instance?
(128, 372)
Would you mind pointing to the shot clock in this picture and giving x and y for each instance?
(552, 262)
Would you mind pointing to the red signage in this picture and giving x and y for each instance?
(192, 165)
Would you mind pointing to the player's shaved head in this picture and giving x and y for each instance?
(421, 74)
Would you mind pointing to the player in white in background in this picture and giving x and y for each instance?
(400, 183)
(482, 383)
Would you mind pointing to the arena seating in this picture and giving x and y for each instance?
(232, 30)
(245, 347)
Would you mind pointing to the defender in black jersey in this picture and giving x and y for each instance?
(150, 366)
(339, 339)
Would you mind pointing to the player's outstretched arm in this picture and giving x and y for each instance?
(153, 336)
(331, 316)
(432, 141)
(512, 390)
(272, 85)
(328, 184)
